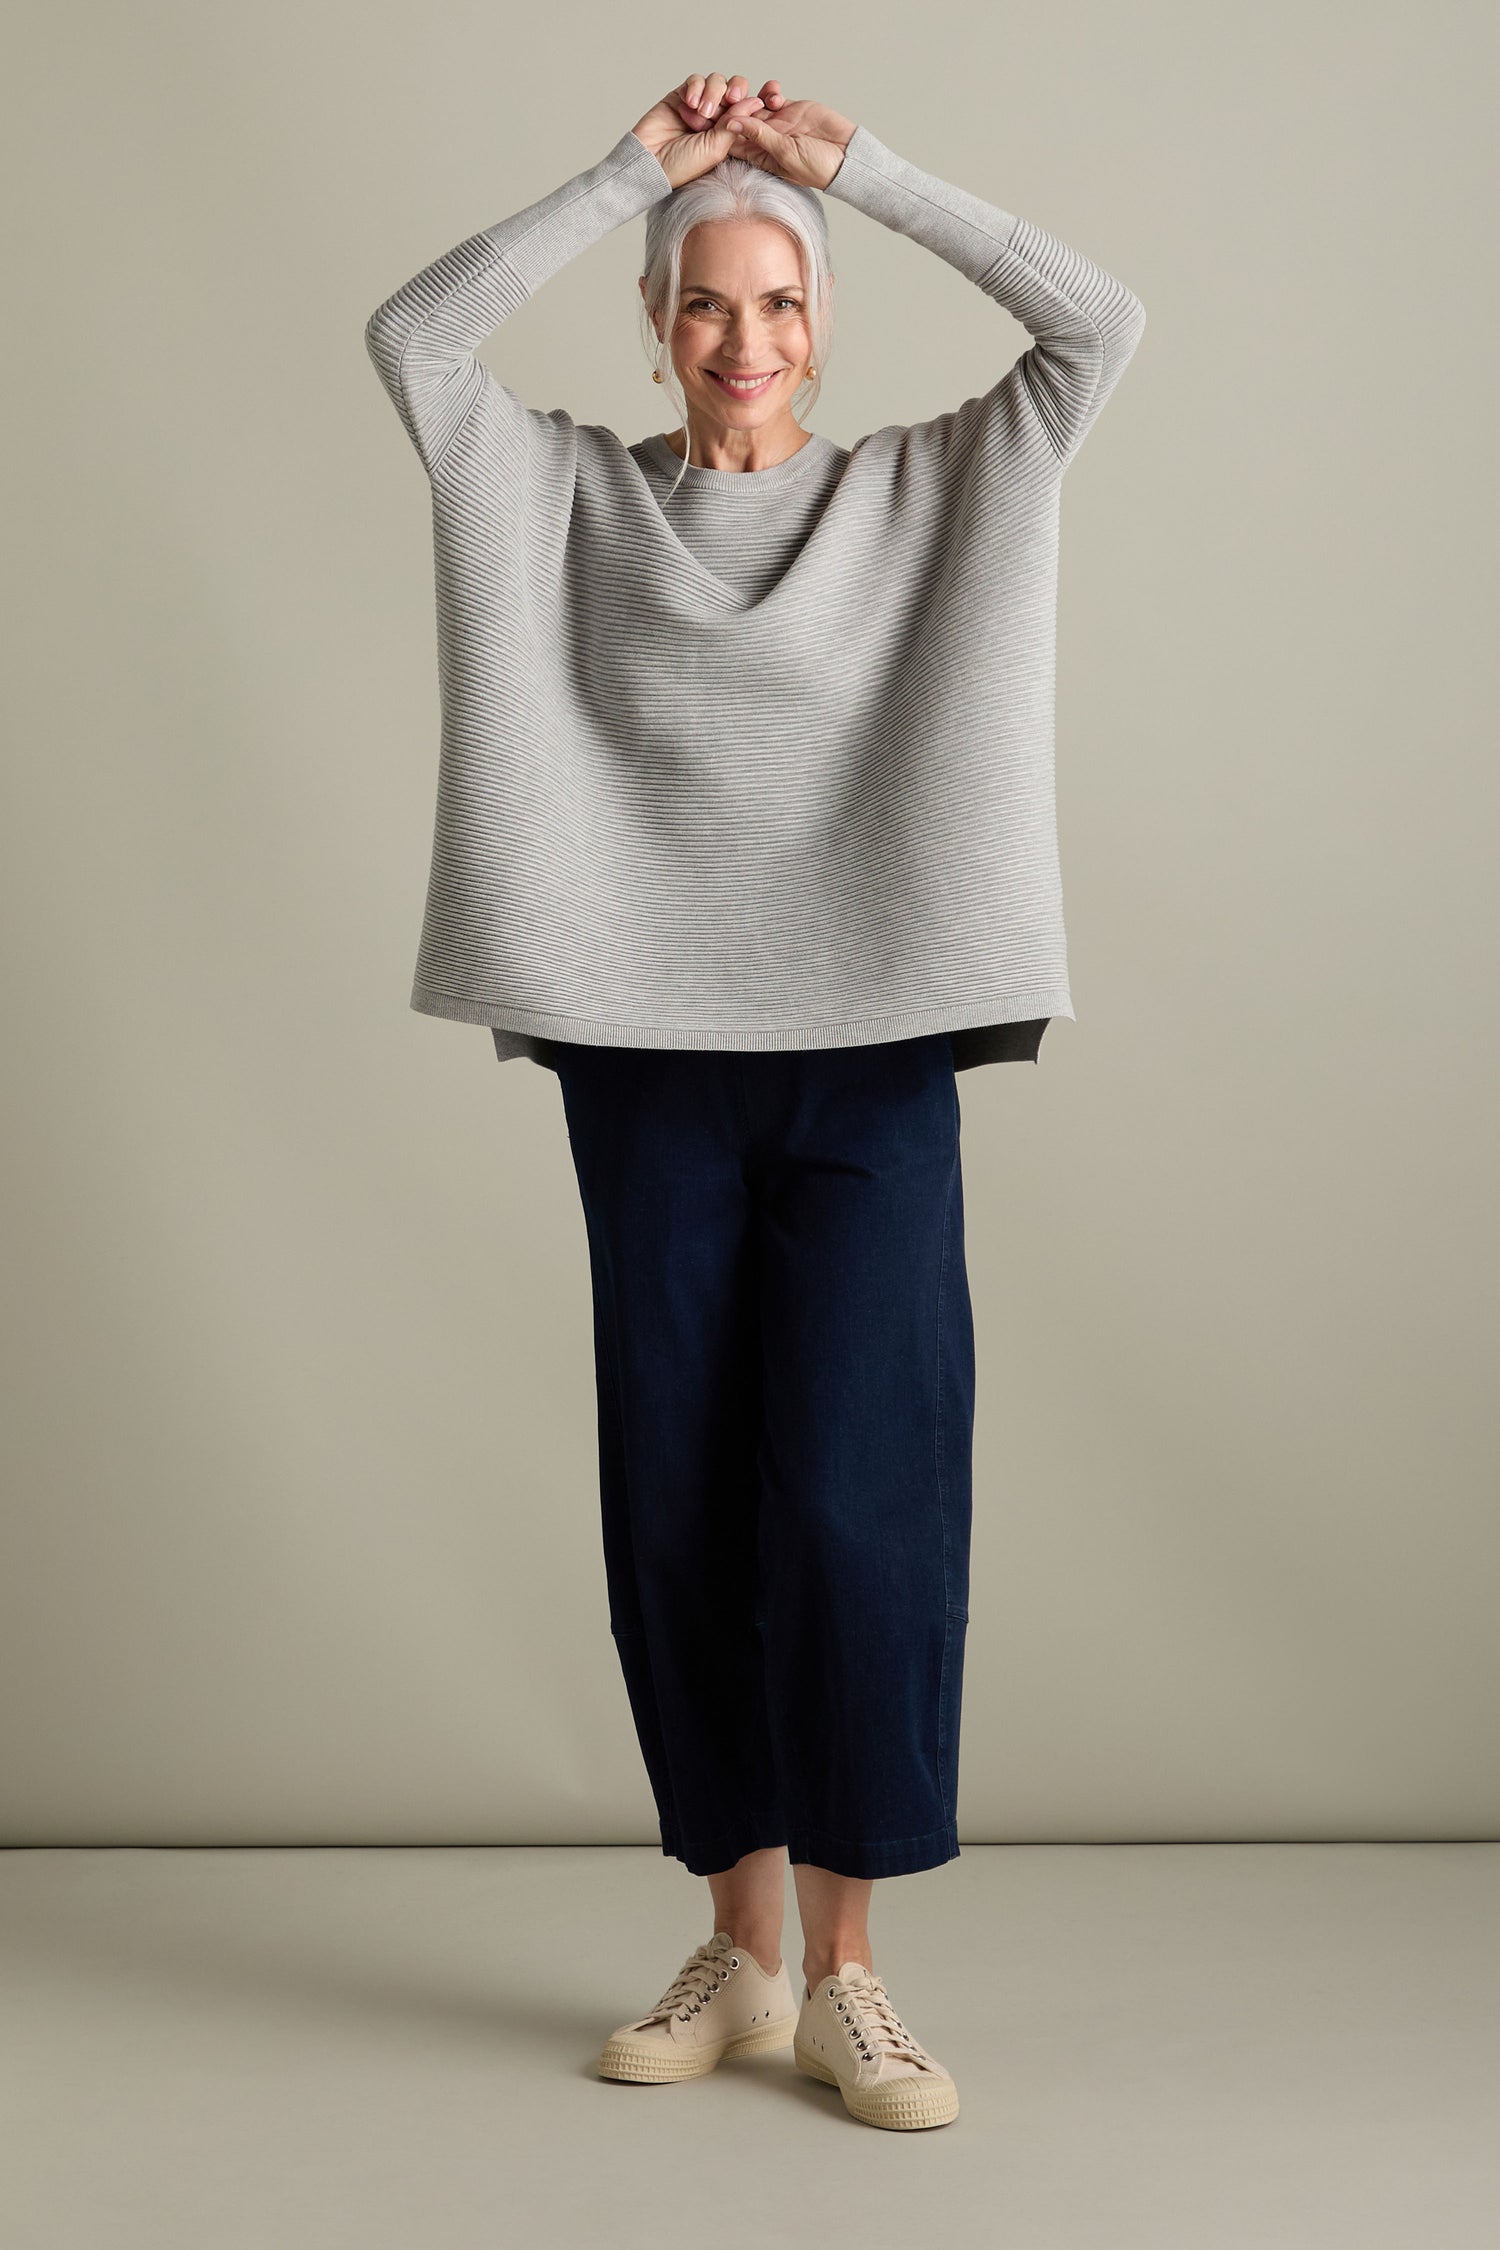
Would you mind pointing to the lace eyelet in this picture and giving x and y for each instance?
(734, 1961)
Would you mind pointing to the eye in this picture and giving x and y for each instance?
(707, 304)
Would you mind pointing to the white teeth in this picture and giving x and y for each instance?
(738, 383)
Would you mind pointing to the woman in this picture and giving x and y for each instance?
(746, 827)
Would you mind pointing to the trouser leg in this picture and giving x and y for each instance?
(677, 1359)
(866, 1460)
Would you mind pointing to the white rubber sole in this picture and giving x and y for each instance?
(902, 2105)
(647, 2063)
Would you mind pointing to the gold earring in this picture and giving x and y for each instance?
(656, 374)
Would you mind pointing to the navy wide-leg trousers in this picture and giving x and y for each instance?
(784, 1355)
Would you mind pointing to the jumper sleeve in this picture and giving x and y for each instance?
(423, 339)
(1085, 324)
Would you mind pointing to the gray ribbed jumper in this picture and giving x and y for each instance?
(805, 803)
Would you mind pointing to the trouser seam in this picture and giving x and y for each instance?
(940, 1378)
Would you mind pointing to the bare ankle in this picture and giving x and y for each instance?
(763, 1949)
(825, 1961)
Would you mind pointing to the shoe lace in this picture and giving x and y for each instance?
(701, 1976)
(879, 2027)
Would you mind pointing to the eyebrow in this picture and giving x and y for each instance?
(701, 289)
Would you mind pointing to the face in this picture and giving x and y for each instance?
(743, 314)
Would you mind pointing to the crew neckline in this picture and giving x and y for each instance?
(737, 480)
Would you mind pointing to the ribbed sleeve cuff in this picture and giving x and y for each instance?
(629, 151)
(625, 182)
(960, 227)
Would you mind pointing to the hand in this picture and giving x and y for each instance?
(802, 141)
(689, 131)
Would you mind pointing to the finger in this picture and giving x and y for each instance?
(692, 90)
(713, 92)
(700, 109)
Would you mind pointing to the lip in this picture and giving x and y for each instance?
(734, 392)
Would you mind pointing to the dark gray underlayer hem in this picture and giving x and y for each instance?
(1002, 1028)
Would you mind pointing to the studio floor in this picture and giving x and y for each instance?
(1165, 2047)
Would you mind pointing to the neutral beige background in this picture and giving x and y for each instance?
(299, 1511)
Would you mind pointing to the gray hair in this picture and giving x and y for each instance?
(733, 189)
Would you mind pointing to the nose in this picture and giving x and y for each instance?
(743, 348)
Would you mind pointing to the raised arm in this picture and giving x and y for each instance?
(1085, 324)
(423, 339)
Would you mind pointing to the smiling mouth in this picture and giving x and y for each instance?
(739, 386)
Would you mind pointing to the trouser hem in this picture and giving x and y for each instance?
(848, 1855)
(714, 1855)
(864, 1859)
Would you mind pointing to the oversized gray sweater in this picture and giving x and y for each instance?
(803, 800)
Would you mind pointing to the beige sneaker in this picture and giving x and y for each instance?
(849, 2034)
(720, 2003)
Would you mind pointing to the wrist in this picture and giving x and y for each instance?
(840, 135)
